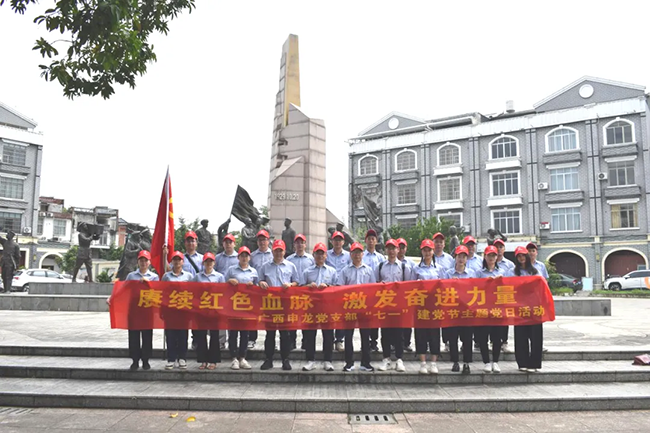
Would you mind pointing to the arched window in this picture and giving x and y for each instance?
(504, 147)
(368, 165)
(561, 139)
(405, 160)
(619, 131)
(449, 154)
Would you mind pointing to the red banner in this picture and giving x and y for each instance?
(411, 304)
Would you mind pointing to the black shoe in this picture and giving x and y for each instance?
(145, 365)
(455, 368)
(367, 367)
(374, 347)
(286, 365)
(465, 368)
(134, 366)
(348, 367)
(267, 365)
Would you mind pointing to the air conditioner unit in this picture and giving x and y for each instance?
(602, 176)
(542, 186)
(49, 214)
(544, 226)
(27, 230)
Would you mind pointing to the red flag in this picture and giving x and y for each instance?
(163, 233)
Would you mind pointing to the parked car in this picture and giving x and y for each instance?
(630, 281)
(570, 282)
(24, 277)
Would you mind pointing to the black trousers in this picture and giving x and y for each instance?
(285, 344)
(392, 337)
(504, 334)
(238, 351)
(339, 335)
(482, 333)
(252, 336)
(406, 336)
(374, 335)
(176, 344)
(309, 340)
(529, 340)
(465, 334)
(137, 352)
(427, 339)
(365, 346)
(207, 353)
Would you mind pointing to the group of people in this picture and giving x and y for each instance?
(267, 267)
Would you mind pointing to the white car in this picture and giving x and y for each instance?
(24, 277)
(633, 280)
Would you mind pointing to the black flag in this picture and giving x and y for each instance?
(373, 214)
(243, 207)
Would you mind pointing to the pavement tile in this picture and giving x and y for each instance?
(325, 425)
(149, 421)
(271, 425)
(33, 420)
(96, 420)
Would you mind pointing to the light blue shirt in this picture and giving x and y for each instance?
(361, 275)
(259, 259)
(410, 265)
(444, 261)
(391, 272)
(506, 264)
(541, 268)
(214, 277)
(497, 272)
(321, 275)
(430, 272)
(137, 276)
(452, 273)
(276, 275)
(524, 273)
(183, 276)
(243, 276)
(198, 261)
(222, 261)
(373, 259)
(302, 263)
(475, 263)
(338, 261)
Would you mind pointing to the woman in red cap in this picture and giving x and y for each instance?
(529, 339)
(208, 357)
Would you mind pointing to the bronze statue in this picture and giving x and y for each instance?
(86, 236)
(348, 240)
(249, 234)
(222, 231)
(492, 236)
(204, 238)
(135, 242)
(288, 234)
(264, 225)
(453, 240)
(10, 259)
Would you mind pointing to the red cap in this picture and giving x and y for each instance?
(278, 244)
(520, 250)
(230, 237)
(490, 249)
(191, 234)
(178, 254)
(439, 235)
(426, 243)
(371, 232)
(338, 235)
(320, 247)
(392, 242)
(468, 239)
(263, 233)
(531, 245)
(461, 249)
(243, 250)
(144, 253)
(498, 241)
(208, 256)
(356, 246)
(402, 241)
(300, 236)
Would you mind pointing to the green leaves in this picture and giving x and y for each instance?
(424, 229)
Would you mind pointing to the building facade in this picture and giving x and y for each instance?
(571, 174)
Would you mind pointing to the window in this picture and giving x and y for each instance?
(504, 147)
(14, 154)
(407, 223)
(52, 274)
(565, 219)
(621, 173)
(619, 132)
(10, 221)
(505, 184)
(405, 160)
(449, 154)
(564, 179)
(562, 139)
(39, 227)
(11, 188)
(449, 189)
(59, 228)
(624, 216)
(368, 165)
(455, 218)
(38, 273)
(507, 221)
(406, 194)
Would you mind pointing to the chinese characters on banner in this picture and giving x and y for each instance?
(411, 304)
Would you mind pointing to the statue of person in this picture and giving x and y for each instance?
(249, 234)
(453, 240)
(348, 240)
(492, 236)
(129, 261)
(288, 234)
(10, 259)
(264, 225)
(222, 231)
(204, 238)
(86, 236)
(380, 239)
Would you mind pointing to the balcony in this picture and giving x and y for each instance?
(513, 200)
(502, 164)
(564, 196)
(622, 191)
(447, 205)
(562, 157)
(619, 150)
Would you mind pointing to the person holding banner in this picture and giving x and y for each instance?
(338, 258)
(259, 257)
(177, 338)
(401, 256)
(492, 271)
(372, 258)
(208, 357)
(278, 273)
(508, 268)
(460, 270)
(241, 273)
(529, 339)
(318, 277)
(357, 273)
(427, 338)
(301, 260)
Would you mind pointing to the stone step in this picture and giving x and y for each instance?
(34, 302)
(113, 369)
(102, 289)
(323, 397)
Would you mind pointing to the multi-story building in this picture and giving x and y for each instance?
(572, 174)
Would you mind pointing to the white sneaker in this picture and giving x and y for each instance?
(244, 364)
(446, 347)
(327, 366)
(235, 364)
(423, 368)
(309, 366)
(505, 348)
(251, 345)
(339, 346)
(182, 364)
(532, 370)
(487, 368)
(169, 366)
(433, 368)
(399, 366)
(495, 368)
(385, 365)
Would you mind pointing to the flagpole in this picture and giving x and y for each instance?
(164, 261)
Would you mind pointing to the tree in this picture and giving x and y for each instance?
(69, 259)
(102, 42)
(179, 233)
(113, 253)
(423, 229)
(103, 277)
(554, 280)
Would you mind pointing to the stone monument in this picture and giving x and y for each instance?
(205, 238)
(10, 259)
(297, 172)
